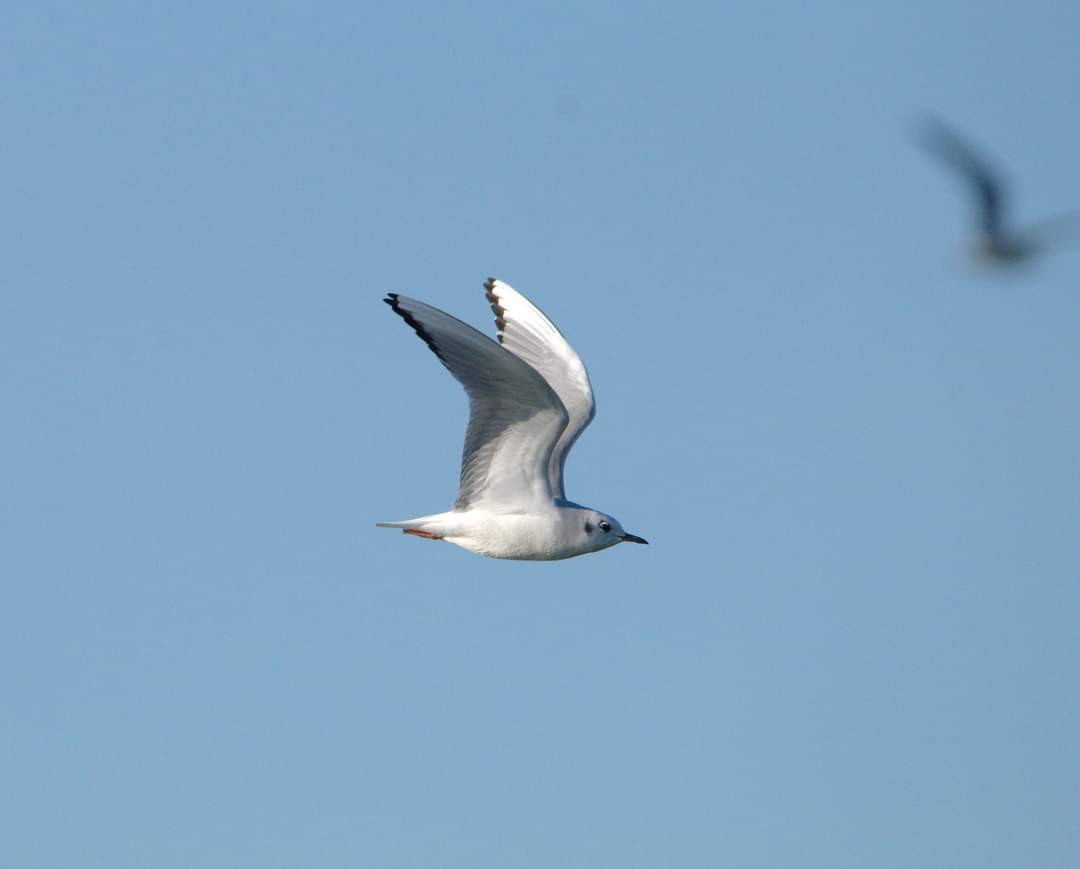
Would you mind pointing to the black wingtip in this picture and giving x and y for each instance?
(392, 300)
(498, 310)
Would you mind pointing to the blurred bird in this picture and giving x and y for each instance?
(529, 399)
(995, 241)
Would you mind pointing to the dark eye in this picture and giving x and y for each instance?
(605, 527)
(588, 527)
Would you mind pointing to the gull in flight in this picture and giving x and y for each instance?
(529, 400)
(995, 241)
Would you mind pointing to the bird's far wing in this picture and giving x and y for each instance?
(515, 418)
(958, 154)
(531, 336)
(1061, 229)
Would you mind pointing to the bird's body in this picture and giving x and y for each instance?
(545, 534)
(1003, 249)
(529, 400)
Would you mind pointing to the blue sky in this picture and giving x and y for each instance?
(854, 639)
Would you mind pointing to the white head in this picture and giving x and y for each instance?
(591, 530)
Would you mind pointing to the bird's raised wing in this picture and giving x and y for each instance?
(515, 418)
(531, 336)
(989, 189)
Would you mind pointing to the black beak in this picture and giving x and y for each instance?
(633, 538)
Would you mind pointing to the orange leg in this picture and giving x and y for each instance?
(427, 535)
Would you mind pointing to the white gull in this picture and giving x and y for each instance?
(529, 400)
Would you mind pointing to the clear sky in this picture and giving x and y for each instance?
(855, 636)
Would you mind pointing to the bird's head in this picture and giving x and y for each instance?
(597, 530)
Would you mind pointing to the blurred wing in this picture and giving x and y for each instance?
(989, 190)
(515, 418)
(531, 336)
(1060, 229)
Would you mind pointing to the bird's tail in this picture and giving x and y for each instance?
(434, 527)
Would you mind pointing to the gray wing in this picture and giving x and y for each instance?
(526, 332)
(988, 187)
(1057, 230)
(515, 418)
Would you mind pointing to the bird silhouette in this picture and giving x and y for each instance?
(996, 241)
